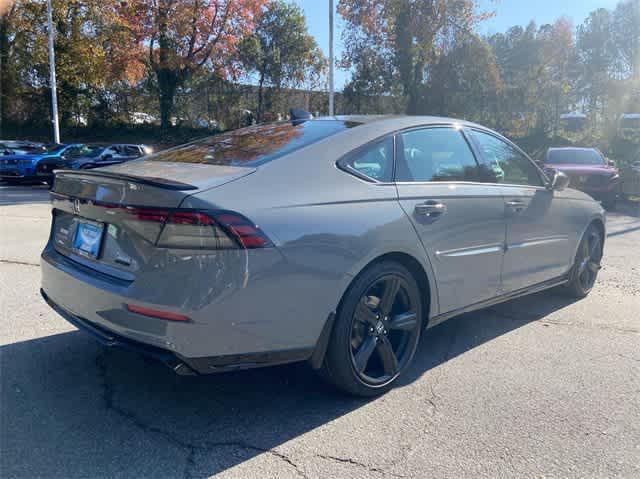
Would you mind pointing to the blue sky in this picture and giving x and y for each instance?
(508, 13)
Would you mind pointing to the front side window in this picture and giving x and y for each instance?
(73, 151)
(503, 163)
(80, 151)
(374, 161)
(435, 154)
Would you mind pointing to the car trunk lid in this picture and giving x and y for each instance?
(110, 219)
(145, 183)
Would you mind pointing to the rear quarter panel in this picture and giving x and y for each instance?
(327, 224)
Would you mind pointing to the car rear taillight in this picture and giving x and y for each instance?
(197, 229)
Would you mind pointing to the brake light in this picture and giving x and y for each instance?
(169, 228)
(247, 233)
(142, 214)
(210, 230)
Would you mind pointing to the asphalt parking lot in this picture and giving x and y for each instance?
(539, 387)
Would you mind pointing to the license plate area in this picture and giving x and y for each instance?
(88, 238)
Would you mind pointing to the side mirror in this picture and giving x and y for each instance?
(106, 157)
(559, 182)
(611, 162)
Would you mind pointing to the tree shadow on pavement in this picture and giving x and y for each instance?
(73, 409)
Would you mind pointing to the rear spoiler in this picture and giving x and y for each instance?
(144, 180)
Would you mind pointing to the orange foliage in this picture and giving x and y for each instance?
(182, 35)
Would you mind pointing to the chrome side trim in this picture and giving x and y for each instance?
(538, 242)
(471, 251)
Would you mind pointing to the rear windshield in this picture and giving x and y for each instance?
(576, 157)
(253, 145)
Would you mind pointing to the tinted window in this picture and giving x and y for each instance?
(580, 157)
(132, 150)
(373, 161)
(111, 151)
(503, 163)
(53, 148)
(435, 154)
(78, 151)
(253, 145)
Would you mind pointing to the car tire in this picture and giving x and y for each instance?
(373, 320)
(586, 265)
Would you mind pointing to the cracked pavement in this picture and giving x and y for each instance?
(540, 386)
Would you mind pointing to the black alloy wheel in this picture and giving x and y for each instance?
(384, 331)
(587, 263)
(376, 331)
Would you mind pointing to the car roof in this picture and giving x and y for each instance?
(408, 120)
(573, 148)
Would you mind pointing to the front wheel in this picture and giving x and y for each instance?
(586, 264)
(376, 331)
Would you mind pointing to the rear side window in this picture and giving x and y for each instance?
(132, 150)
(373, 161)
(435, 154)
(254, 145)
(503, 163)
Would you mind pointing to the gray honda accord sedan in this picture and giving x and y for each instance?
(334, 240)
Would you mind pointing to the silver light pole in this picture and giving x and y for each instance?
(52, 76)
(331, 90)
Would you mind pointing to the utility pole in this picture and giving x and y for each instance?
(52, 76)
(331, 90)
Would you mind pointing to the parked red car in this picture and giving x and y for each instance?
(589, 171)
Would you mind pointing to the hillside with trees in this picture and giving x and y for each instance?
(182, 65)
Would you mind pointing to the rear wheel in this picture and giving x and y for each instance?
(586, 264)
(376, 331)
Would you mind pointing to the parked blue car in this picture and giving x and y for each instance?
(19, 168)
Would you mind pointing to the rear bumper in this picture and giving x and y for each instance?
(113, 340)
(17, 172)
(233, 331)
(180, 365)
(12, 175)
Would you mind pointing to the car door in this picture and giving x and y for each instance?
(538, 240)
(459, 220)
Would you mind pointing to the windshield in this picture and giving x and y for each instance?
(52, 148)
(254, 145)
(89, 151)
(575, 157)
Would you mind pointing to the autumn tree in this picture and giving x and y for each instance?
(183, 37)
(465, 82)
(412, 33)
(626, 38)
(280, 51)
(90, 55)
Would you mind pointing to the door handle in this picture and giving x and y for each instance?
(516, 206)
(431, 209)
